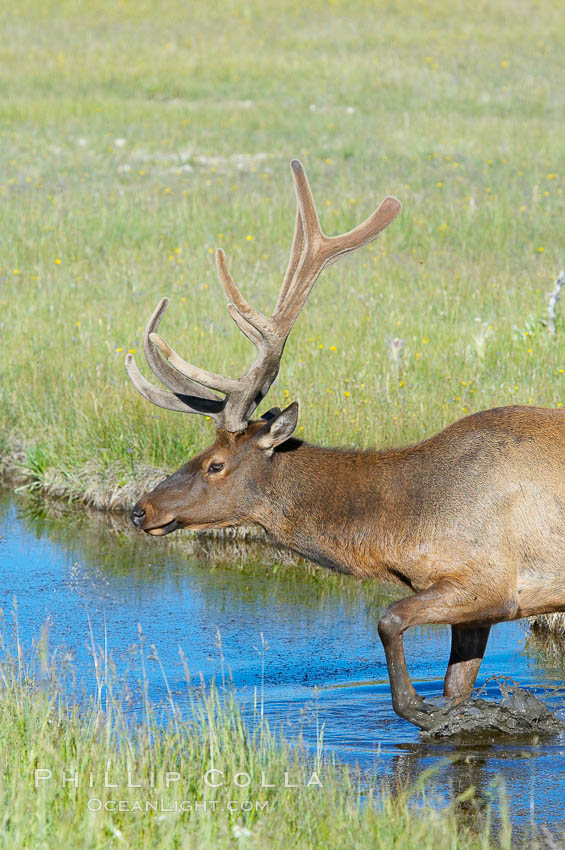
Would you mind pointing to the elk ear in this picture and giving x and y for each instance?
(271, 414)
(278, 429)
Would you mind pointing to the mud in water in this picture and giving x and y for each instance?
(518, 713)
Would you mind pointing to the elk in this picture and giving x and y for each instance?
(472, 520)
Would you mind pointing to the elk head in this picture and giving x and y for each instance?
(221, 485)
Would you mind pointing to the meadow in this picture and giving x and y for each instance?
(137, 138)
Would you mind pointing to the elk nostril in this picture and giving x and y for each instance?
(137, 516)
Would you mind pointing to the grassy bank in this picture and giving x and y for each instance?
(91, 778)
(138, 137)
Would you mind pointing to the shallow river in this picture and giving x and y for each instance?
(307, 643)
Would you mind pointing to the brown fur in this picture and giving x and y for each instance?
(471, 520)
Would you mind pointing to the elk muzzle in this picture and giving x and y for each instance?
(137, 516)
(146, 518)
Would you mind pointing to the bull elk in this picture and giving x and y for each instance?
(472, 520)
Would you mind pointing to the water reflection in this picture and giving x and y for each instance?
(308, 642)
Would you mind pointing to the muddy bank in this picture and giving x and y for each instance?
(549, 624)
(113, 487)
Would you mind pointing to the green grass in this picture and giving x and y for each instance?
(102, 754)
(455, 108)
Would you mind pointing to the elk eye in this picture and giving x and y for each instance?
(216, 466)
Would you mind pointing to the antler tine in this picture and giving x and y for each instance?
(173, 401)
(295, 255)
(244, 326)
(310, 242)
(183, 395)
(307, 232)
(306, 206)
(319, 250)
(253, 316)
(365, 232)
(169, 376)
(249, 320)
(201, 376)
(303, 236)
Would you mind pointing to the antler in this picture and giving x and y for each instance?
(191, 389)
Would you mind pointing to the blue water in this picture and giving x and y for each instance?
(308, 644)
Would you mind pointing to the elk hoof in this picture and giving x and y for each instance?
(421, 712)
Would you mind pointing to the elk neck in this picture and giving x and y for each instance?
(343, 509)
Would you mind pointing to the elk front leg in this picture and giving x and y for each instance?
(443, 602)
(468, 646)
